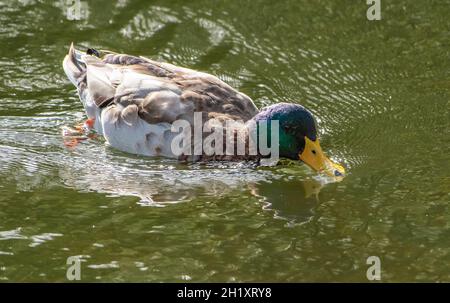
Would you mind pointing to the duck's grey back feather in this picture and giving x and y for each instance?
(164, 92)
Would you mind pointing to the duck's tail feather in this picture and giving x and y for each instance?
(73, 65)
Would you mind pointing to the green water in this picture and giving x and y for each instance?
(380, 91)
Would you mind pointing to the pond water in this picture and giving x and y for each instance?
(380, 91)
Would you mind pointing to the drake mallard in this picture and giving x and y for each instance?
(133, 102)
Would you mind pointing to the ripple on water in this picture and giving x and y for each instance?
(147, 23)
(112, 264)
(12, 234)
(43, 238)
(17, 234)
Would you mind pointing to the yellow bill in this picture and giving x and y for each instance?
(313, 156)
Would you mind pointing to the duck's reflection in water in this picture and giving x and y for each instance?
(293, 200)
(159, 185)
(291, 195)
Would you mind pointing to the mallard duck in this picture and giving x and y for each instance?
(134, 102)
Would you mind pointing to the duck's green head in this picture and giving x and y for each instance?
(298, 138)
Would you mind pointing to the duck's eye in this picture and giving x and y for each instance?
(313, 151)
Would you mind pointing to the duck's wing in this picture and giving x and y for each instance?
(169, 92)
(157, 92)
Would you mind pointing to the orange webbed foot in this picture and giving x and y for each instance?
(86, 126)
